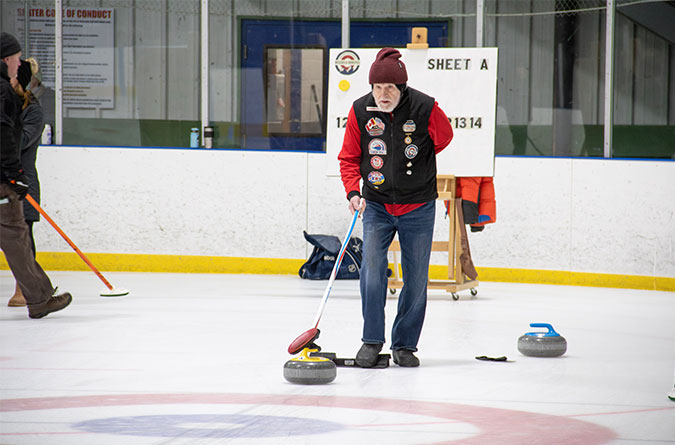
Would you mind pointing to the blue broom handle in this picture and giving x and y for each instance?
(338, 260)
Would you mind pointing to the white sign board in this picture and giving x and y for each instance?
(88, 53)
(462, 80)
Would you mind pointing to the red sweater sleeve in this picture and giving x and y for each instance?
(350, 156)
(440, 129)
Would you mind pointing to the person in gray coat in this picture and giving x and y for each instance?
(40, 294)
(32, 118)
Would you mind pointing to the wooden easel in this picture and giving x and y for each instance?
(456, 281)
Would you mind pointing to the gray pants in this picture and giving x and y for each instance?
(16, 245)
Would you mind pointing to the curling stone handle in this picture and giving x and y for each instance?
(551, 331)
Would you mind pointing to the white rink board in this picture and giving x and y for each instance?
(453, 76)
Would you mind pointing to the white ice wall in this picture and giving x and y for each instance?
(582, 215)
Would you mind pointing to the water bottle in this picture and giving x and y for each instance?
(46, 135)
(208, 137)
(194, 137)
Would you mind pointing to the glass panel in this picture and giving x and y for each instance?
(299, 110)
(550, 87)
(39, 45)
(644, 75)
(156, 74)
(224, 76)
(130, 69)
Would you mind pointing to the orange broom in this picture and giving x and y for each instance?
(110, 291)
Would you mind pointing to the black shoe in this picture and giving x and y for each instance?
(405, 358)
(367, 355)
(55, 303)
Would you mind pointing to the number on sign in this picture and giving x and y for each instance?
(466, 122)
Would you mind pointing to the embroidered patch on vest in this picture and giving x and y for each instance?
(376, 162)
(377, 147)
(409, 126)
(375, 126)
(375, 178)
(411, 151)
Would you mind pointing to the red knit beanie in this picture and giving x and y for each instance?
(387, 68)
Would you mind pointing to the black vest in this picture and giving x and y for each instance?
(398, 161)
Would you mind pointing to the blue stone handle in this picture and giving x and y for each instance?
(551, 332)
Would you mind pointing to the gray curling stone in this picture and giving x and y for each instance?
(307, 370)
(542, 344)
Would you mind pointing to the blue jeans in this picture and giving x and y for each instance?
(415, 233)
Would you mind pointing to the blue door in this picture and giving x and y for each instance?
(284, 75)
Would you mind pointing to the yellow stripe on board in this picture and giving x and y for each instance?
(281, 266)
(165, 263)
(497, 274)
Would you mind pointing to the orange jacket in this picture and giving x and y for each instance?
(478, 200)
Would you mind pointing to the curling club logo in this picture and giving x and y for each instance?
(347, 62)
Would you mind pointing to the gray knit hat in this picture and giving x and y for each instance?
(8, 45)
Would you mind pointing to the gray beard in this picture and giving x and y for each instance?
(388, 109)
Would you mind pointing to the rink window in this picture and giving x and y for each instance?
(294, 91)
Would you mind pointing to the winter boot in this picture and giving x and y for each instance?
(368, 355)
(17, 299)
(53, 304)
(405, 358)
